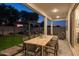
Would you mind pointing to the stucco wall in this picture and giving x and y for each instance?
(76, 23)
(68, 24)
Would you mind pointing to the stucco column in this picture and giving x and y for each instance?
(51, 27)
(45, 26)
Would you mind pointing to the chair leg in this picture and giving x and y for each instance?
(56, 50)
(24, 47)
(56, 53)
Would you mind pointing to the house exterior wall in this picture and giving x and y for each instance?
(68, 24)
(76, 24)
(72, 25)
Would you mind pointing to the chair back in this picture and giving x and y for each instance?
(55, 37)
(31, 47)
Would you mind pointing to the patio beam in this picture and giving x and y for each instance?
(51, 27)
(45, 26)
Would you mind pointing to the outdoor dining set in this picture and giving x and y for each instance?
(47, 45)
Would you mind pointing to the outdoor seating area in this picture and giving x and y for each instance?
(38, 29)
(39, 47)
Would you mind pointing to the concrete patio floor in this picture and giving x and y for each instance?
(64, 48)
(76, 48)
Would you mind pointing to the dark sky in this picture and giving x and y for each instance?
(60, 23)
(20, 7)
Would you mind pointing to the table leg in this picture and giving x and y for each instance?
(42, 51)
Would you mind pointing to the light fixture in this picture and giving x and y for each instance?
(55, 10)
(19, 20)
(57, 16)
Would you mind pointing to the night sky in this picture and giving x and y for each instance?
(59, 23)
(20, 7)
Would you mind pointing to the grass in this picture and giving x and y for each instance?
(9, 41)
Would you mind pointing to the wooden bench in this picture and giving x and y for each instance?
(12, 51)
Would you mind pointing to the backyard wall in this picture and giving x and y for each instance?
(8, 29)
(59, 31)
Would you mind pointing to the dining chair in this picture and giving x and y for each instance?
(33, 50)
(53, 41)
(49, 50)
(52, 46)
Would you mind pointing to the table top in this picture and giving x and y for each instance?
(39, 40)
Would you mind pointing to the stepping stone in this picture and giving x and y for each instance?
(11, 51)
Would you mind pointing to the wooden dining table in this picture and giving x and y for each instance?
(40, 41)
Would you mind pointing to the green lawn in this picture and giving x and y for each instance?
(9, 41)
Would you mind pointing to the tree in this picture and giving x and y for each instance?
(14, 15)
(41, 27)
(3, 13)
(42, 24)
(8, 14)
(32, 20)
(29, 18)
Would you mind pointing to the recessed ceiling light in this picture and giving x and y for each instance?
(57, 16)
(55, 10)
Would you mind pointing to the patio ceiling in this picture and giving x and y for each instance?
(60, 9)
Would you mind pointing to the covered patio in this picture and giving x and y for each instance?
(44, 44)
